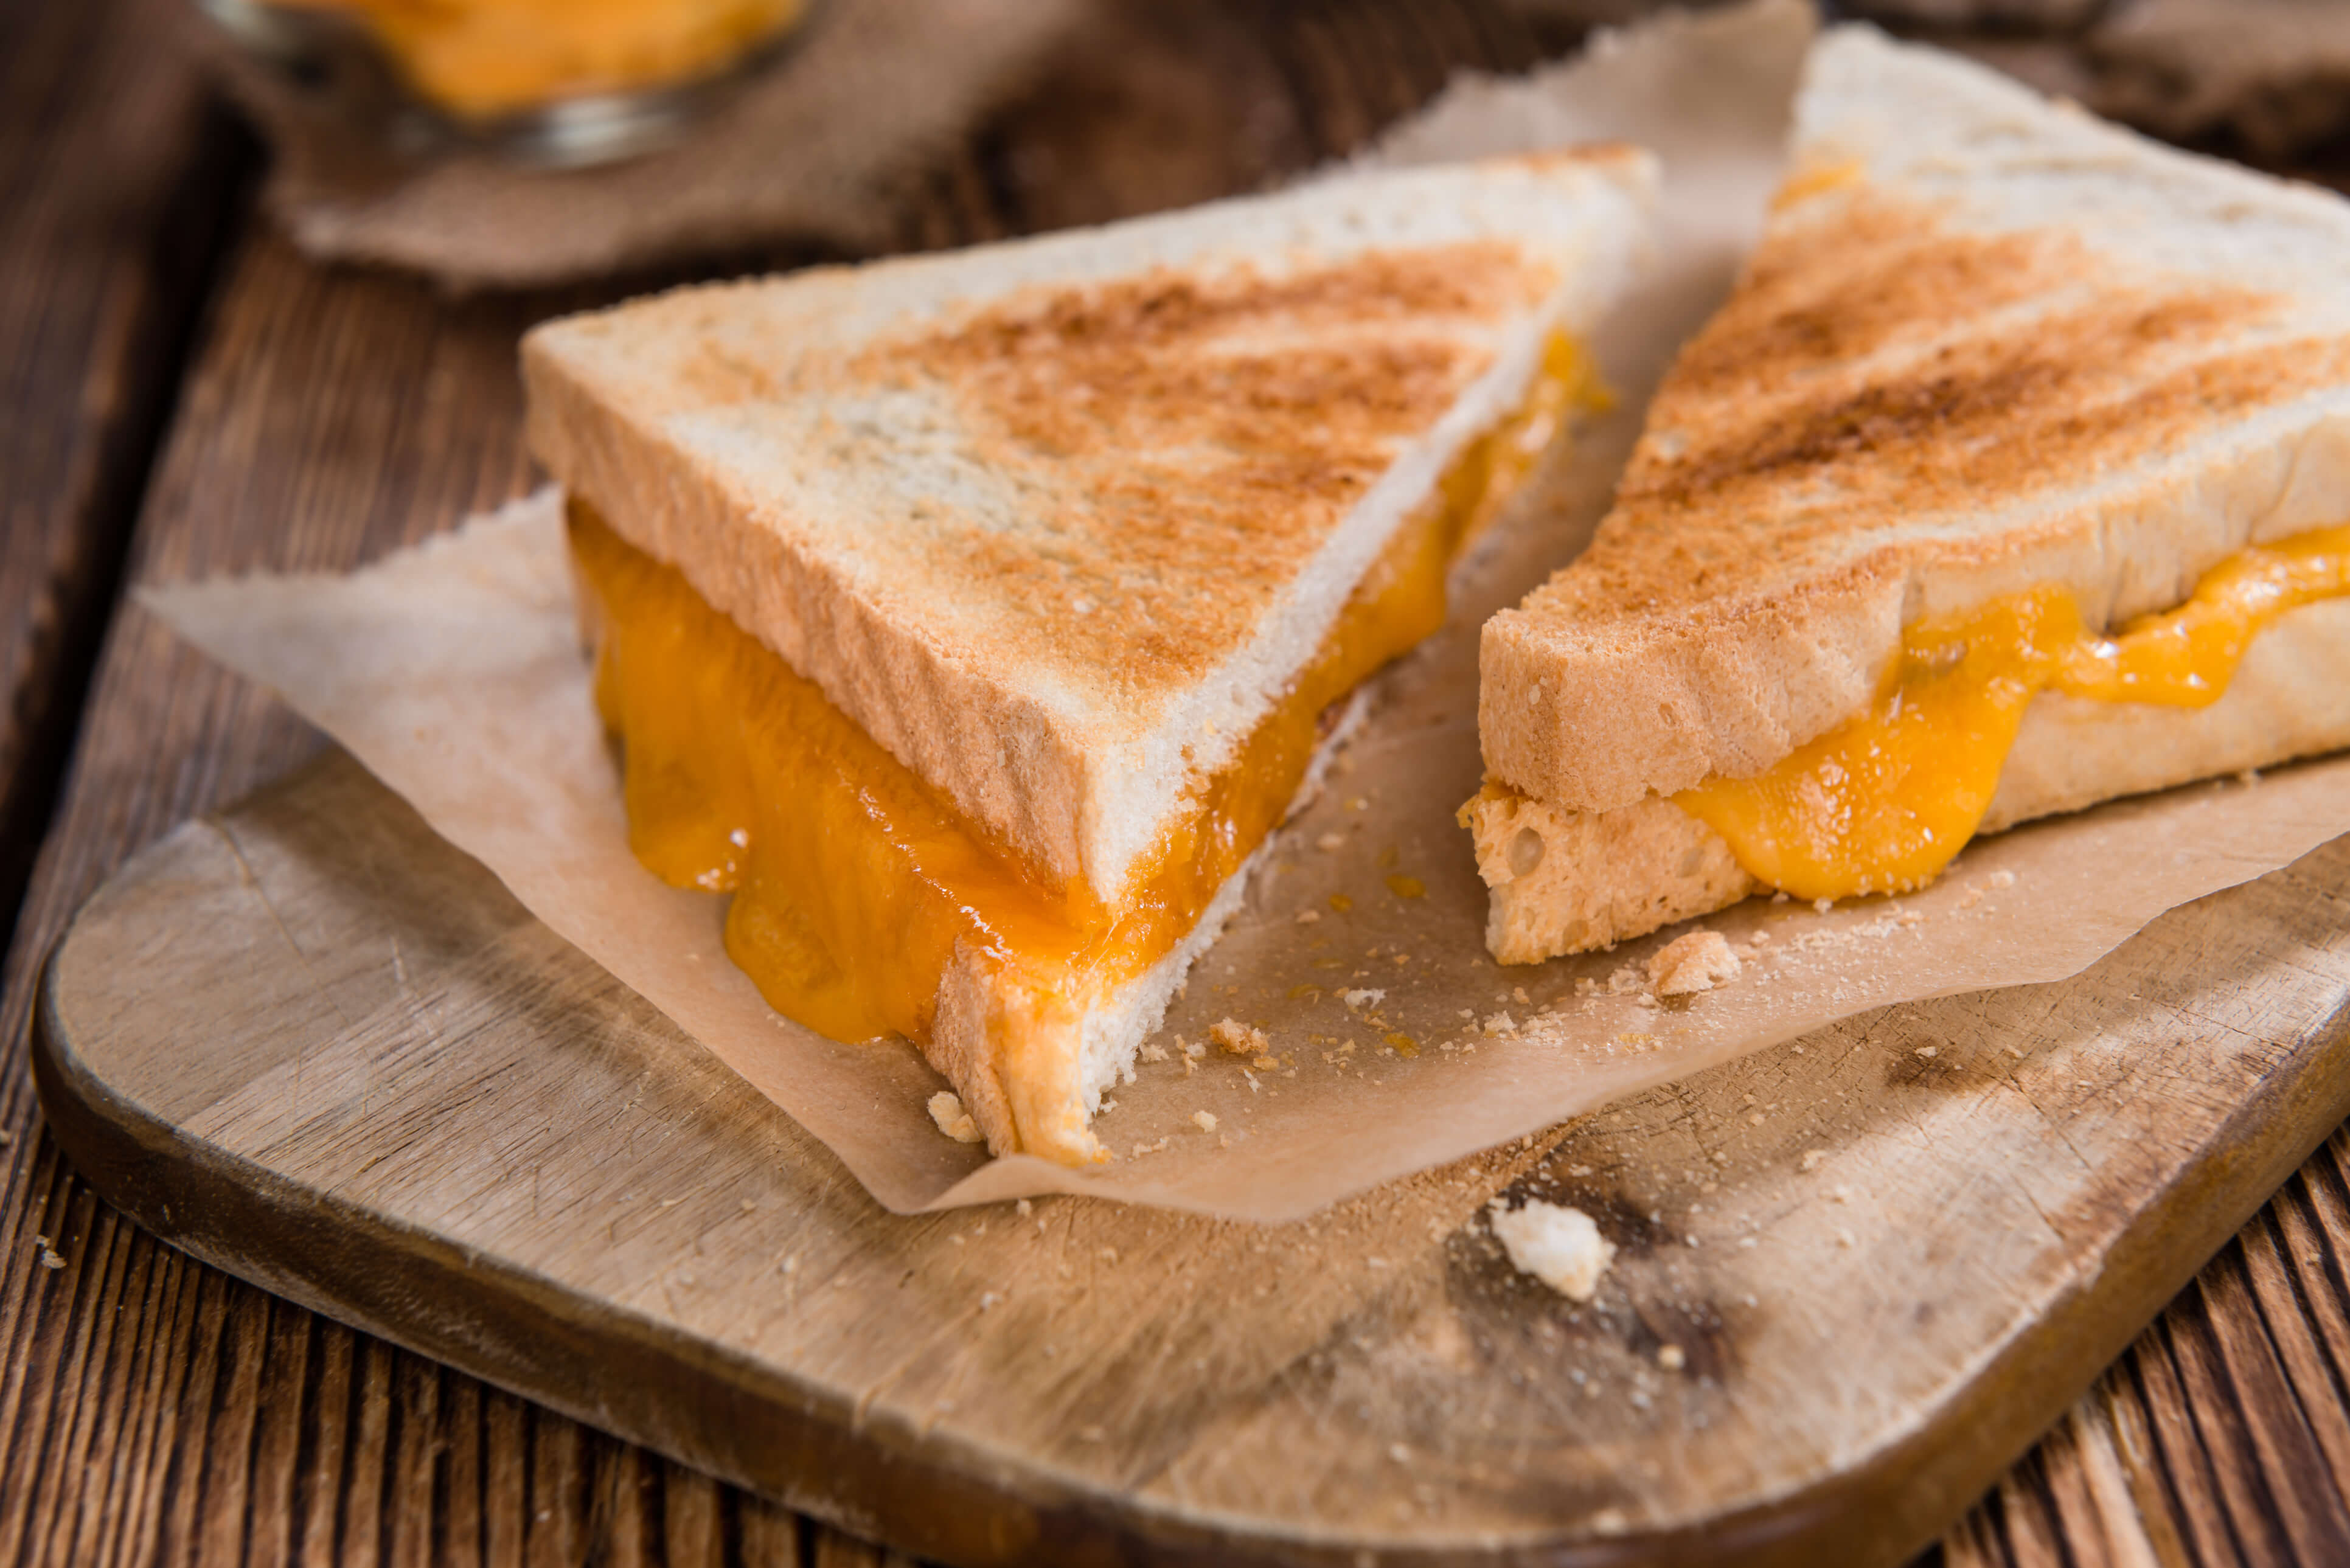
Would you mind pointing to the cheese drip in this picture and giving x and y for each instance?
(1882, 804)
(854, 882)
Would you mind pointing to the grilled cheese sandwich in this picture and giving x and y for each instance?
(970, 622)
(2014, 476)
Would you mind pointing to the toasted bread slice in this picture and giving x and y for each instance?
(1068, 528)
(1988, 344)
(1056, 521)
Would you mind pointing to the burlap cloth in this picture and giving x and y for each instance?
(817, 149)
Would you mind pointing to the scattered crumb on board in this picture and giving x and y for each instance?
(1688, 964)
(946, 1109)
(1561, 1247)
(1237, 1037)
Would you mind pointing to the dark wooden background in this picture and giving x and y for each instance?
(181, 394)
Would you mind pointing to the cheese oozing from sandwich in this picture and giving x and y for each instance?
(855, 885)
(1884, 802)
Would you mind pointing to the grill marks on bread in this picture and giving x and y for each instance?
(1965, 370)
(1188, 443)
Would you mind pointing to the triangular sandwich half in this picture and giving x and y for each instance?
(2013, 477)
(972, 618)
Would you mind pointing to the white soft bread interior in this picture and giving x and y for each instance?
(1567, 881)
(1055, 522)
(1987, 343)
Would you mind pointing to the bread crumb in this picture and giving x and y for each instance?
(1929, 1051)
(1307, 917)
(946, 1109)
(1698, 961)
(1624, 981)
(1518, 995)
(1265, 1064)
(1204, 1120)
(1363, 998)
(1670, 1358)
(1237, 1037)
(1812, 1160)
(1330, 841)
(2002, 878)
(1023, 1208)
(1561, 1247)
(1823, 905)
(1500, 1023)
(1152, 1051)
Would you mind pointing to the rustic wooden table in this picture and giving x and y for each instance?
(183, 395)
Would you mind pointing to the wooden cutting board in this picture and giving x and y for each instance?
(309, 1043)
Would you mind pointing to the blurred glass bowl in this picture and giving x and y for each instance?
(560, 82)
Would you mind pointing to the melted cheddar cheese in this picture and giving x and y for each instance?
(853, 881)
(1882, 804)
(481, 57)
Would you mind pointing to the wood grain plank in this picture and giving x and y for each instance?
(459, 1515)
(504, 1506)
(414, 378)
(273, 1494)
(2300, 1492)
(115, 177)
(763, 1532)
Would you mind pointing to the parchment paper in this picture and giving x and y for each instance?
(453, 672)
